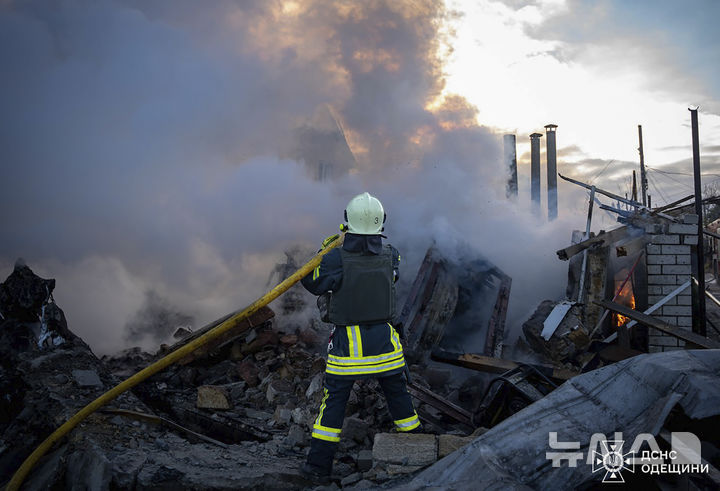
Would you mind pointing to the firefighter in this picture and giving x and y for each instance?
(356, 285)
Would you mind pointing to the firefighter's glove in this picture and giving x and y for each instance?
(329, 241)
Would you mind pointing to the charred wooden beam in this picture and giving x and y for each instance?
(224, 428)
(258, 318)
(600, 240)
(684, 334)
(152, 418)
(428, 397)
(496, 365)
(496, 325)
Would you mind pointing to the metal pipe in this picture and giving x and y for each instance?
(551, 156)
(510, 154)
(535, 171)
(698, 296)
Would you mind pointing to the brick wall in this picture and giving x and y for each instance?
(668, 266)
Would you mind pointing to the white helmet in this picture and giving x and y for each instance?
(365, 215)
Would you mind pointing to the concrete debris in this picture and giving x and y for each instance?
(447, 444)
(567, 340)
(365, 460)
(212, 397)
(415, 449)
(86, 378)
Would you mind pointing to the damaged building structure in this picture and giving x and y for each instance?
(621, 357)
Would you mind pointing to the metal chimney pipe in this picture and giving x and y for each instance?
(551, 171)
(510, 154)
(535, 171)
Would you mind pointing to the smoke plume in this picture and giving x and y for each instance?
(158, 146)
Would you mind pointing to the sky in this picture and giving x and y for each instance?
(151, 162)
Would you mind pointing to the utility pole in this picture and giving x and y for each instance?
(634, 188)
(643, 177)
(698, 259)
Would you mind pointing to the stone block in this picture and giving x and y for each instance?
(297, 436)
(684, 321)
(690, 218)
(365, 460)
(683, 269)
(212, 397)
(682, 228)
(684, 310)
(278, 389)
(684, 299)
(654, 269)
(653, 249)
(665, 239)
(666, 319)
(355, 429)
(661, 259)
(653, 299)
(282, 415)
(87, 378)
(676, 249)
(654, 349)
(662, 341)
(662, 279)
(447, 444)
(655, 290)
(407, 450)
(315, 385)
(248, 371)
(690, 240)
(683, 259)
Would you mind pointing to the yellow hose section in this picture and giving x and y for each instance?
(162, 363)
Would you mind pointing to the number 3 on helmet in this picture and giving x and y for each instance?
(365, 215)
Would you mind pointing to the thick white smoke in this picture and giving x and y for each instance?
(152, 147)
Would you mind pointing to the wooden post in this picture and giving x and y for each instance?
(581, 288)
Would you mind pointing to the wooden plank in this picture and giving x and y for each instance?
(603, 239)
(684, 334)
(496, 324)
(496, 365)
(258, 318)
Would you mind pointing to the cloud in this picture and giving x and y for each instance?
(673, 43)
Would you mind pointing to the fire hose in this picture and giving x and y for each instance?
(168, 360)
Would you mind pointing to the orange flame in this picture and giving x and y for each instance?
(627, 298)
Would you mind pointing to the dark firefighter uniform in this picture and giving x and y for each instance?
(357, 283)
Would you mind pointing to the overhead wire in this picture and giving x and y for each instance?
(603, 170)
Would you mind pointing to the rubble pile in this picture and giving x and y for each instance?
(235, 413)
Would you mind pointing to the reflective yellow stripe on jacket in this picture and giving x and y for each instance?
(357, 364)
